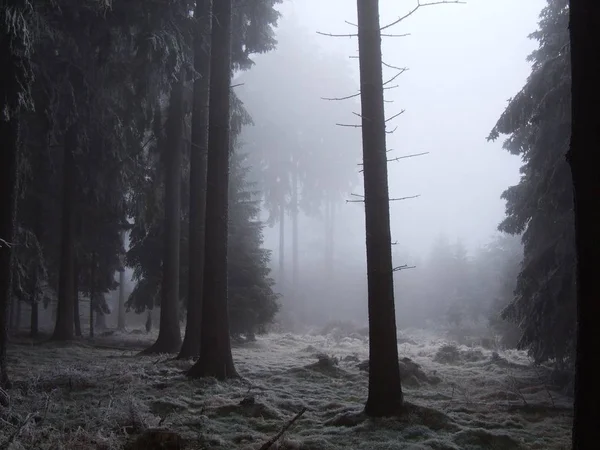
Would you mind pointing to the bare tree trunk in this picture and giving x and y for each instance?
(198, 160)
(169, 333)
(215, 352)
(585, 66)
(282, 243)
(121, 310)
(34, 328)
(63, 330)
(76, 315)
(295, 237)
(92, 293)
(149, 321)
(385, 392)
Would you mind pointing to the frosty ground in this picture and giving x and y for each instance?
(102, 395)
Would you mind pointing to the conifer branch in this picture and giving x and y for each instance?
(416, 8)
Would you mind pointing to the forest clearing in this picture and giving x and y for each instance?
(87, 395)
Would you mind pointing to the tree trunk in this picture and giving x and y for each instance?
(18, 315)
(198, 154)
(282, 243)
(294, 293)
(34, 328)
(63, 329)
(8, 179)
(215, 351)
(121, 306)
(169, 333)
(92, 293)
(149, 321)
(76, 315)
(585, 66)
(385, 392)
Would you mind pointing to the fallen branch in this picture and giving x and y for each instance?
(267, 445)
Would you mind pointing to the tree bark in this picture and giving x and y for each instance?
(585, 66)
(198, 161)
(76, 315)
(92, 293)
(121, 306)
(149, 321)
(63, 329)
(215, 352)
(294, 293)
(169, 334)
(34, 328)
(385, 392)
(282, 242)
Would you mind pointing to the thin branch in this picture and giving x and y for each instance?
(348, 97)
(416, 8)
(404, 198)
(395, 115)
(398, 158)
(395, 35)
(403, 69)
(403, 267)
(393, 78)
(348, 125)
(337, 35)
(236, 85)
(357, 195)
(350, 23)
(267, 445)
(391, 131)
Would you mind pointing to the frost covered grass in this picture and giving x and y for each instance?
(102, 395)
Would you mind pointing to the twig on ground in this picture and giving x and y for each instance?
(267, 445)
(17, 432)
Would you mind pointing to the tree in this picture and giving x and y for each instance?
(198, 153)
(16, 41)
(169, 334)
(540, 207)
(385, 391)
(585, 64)
(215, 350)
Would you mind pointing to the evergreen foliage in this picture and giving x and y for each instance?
(538, 120)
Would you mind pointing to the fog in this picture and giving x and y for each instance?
(464, 62)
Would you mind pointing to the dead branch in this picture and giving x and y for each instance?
(403, 267)
(236, 85)
(348, 97)
(407, 156)
(337, 35)
(416, 8)
(403, 69)
(395, 115)
(18, 431)
(267, 445)
(397, 199)
(391, 131)
(348, 125)
(393, 78)
(358, 195)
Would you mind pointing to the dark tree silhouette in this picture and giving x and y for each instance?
(169, 333)
(385, 391)
(585, 66)
(198, 153)
(215, 349)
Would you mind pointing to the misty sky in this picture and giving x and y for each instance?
(465, 61)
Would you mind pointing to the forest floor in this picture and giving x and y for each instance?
(101, 395)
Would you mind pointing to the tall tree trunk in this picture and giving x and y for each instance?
(8, 187)
(585, 66)
(215, 351)
(295, 238)
(76, 315)
(385, 392)
(149, 321)
(282, 242)
(169, 333)
(100, 320)
(92, 293)
(121, 306)
(198, 160)
(18, 314)
(34, 328)
(63, 330)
